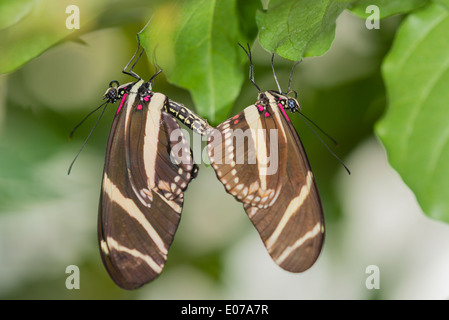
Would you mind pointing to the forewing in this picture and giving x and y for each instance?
(292, 228)
(244, 152)
(138, 215)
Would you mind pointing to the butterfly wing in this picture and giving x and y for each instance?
(142, 190)
(240, 150)
(283, 204)
(292, 228)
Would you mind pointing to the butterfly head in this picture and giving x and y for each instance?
(292, 103)
(287, 101)
(115, 91)
(111, 94)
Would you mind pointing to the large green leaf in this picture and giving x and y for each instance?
(443, 2)
(26, 142)
(202, 37)
(44, 26)
(415, 129)
(12, 11)
(387, 7)
(298, 28)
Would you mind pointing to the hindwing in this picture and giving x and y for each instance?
(244, 151)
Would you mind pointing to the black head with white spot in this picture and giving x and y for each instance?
(115, 91)
(286, 101)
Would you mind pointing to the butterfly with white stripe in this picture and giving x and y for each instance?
(144, 180)
(271, 175)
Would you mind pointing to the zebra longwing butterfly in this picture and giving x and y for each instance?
(259, 158)
(144, 180)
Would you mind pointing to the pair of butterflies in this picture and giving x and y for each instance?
(145, 178)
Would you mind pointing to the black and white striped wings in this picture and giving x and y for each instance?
(239, 151)
(142, 190)
(290, 221)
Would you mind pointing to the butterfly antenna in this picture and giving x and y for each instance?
(321, 130)
(90, 133)
(274, 73)
(85, 118)
(251, 66)
(336, 157)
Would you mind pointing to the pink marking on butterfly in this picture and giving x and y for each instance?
(146, 98)
(260, 107)
(139, 107)
(121, 103)
(283, 111)
(267, 114)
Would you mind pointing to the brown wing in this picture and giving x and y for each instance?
(142, 191)
(284, 205)
(245, 151)
(292, 228)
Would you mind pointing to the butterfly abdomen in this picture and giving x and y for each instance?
(186, 116)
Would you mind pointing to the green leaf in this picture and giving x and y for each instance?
(298, 28)
(12, 11)
(43, 28)
(443, 2)
(203, 38)
(26, 142)
(415, 128)
(387, 7)
(246, 11)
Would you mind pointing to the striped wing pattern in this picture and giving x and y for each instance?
(291, 222)
(142, 190)
(241, 140)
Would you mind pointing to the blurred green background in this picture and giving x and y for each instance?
(48, 219)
